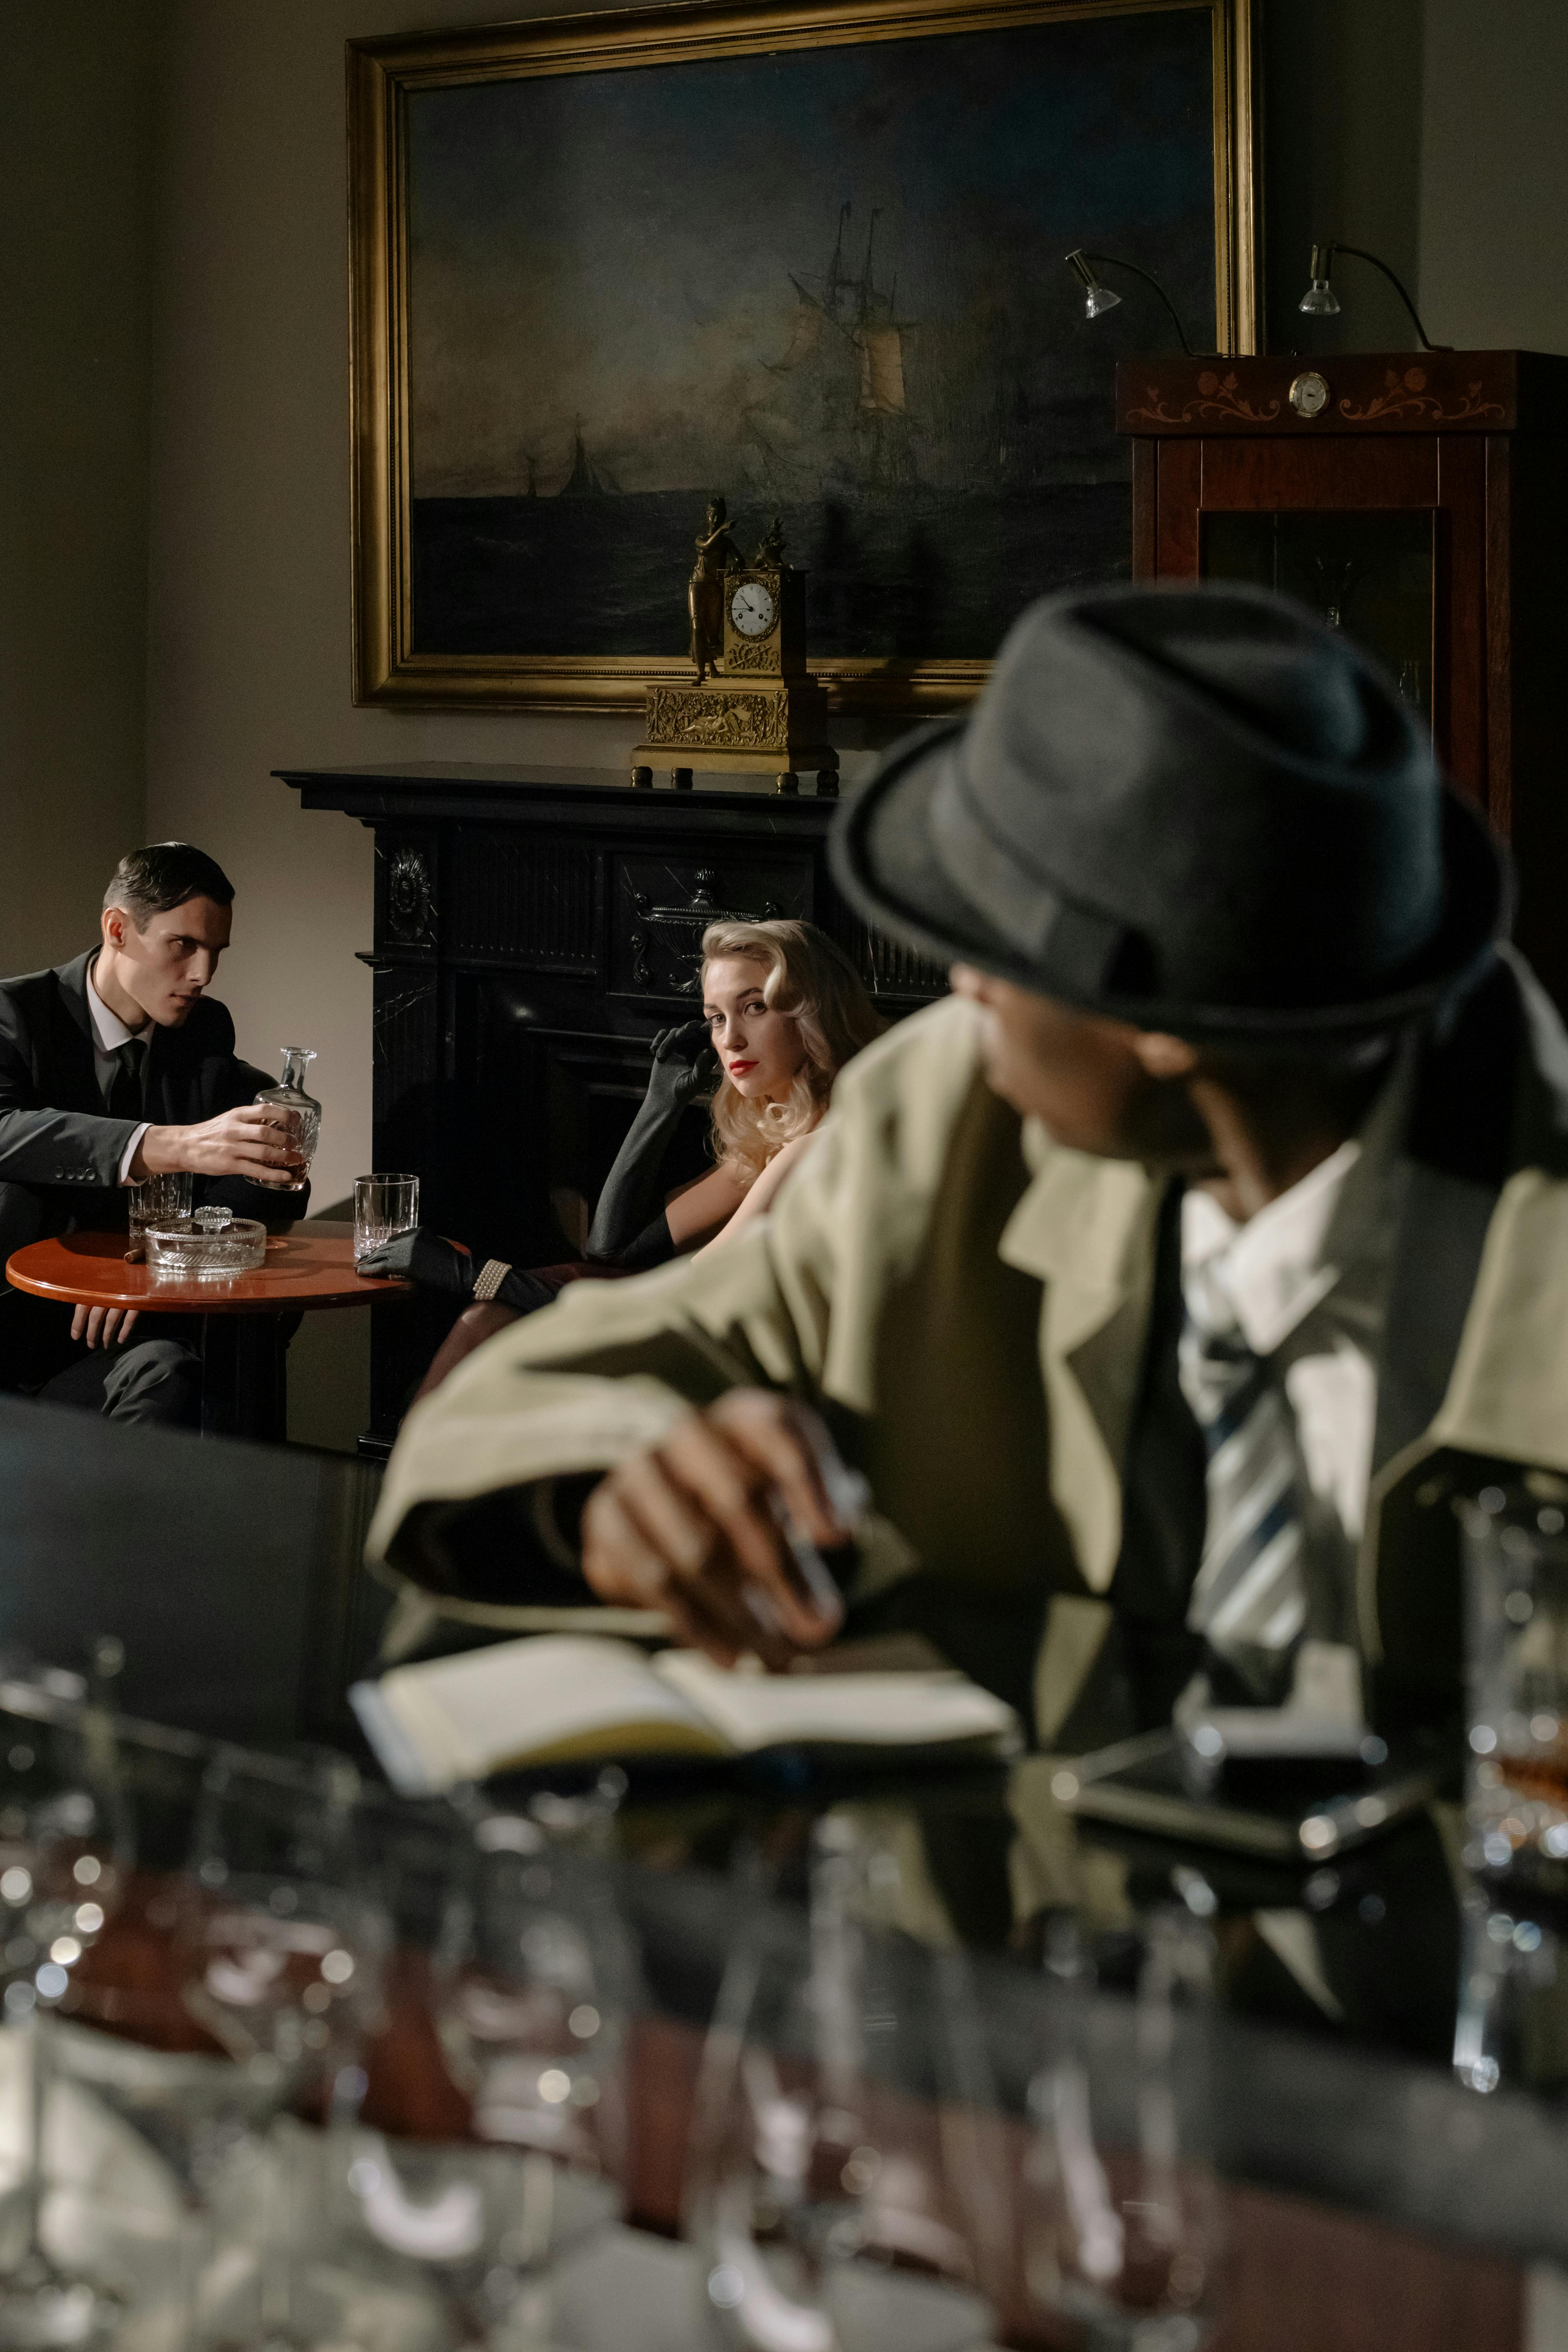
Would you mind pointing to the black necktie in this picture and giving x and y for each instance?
(125, 1086)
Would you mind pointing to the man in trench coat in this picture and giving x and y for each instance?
(1220, 935)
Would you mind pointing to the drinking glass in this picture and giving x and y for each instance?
(158, 1199)
(384, 1206)
(1122, 2231)
(1515, 1595)
(65, 1855)
(846, 2184)
(533, 1987)
(1509, 2024)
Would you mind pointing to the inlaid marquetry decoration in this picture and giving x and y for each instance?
(1217, 396)
(1407, 395)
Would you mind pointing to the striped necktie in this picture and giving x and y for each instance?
(1249, 1597)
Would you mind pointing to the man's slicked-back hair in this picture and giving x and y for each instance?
(148, 882)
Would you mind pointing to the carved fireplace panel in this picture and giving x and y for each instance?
(534, 931)
(663, 905)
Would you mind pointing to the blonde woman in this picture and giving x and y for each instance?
(782, 1009)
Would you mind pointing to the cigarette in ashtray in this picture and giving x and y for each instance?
(137, 1253)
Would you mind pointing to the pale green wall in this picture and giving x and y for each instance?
(76, 149)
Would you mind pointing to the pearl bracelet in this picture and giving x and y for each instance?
(488, 1279)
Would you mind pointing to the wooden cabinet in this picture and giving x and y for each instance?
(534, 929)
(1419, 500)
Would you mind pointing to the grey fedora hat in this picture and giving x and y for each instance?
(1193, 807)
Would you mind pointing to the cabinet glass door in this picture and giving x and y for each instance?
(1372, 574)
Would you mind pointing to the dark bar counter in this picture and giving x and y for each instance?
(1405, 2208)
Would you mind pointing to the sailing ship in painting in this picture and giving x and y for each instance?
(835, 414)
(934, 472)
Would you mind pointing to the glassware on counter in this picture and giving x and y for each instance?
(1516, 1596)
(847, 2183)
(302, 1116)
(384, 1206)
(1122, 2234)
(533, 1993)
(66, 1856)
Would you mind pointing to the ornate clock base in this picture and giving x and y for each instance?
(678, 761)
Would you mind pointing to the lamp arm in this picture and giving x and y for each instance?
(1114, 261)
(1361, 254)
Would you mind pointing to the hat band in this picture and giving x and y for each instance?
(1075, 946)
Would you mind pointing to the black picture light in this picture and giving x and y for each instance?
(1098, 298)
(1320, 302)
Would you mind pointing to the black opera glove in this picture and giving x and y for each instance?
(424, 1258)
(685, 1065)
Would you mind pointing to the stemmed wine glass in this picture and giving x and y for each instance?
(226, 1990)
(533, 1986)
(1122, 2233)
(846, 2186)
(280, 1945)
(66, 1856)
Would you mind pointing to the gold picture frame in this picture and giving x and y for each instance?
(386, 78)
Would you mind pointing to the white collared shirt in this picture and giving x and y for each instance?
(1306, 1282)
(1266, 1278)
(109, 1033)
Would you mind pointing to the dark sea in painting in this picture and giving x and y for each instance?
(826, 282)
(939, 578)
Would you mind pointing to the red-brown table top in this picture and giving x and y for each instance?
(308, 1265)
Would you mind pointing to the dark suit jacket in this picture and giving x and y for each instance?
(54, 1136)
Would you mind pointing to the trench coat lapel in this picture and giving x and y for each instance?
(1086, 1228)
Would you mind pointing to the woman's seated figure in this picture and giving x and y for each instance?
(782, 1009)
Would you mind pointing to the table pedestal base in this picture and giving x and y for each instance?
(245, 1383)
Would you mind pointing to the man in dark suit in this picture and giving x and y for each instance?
(115, 1068)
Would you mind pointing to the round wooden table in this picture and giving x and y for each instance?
(244, 1356)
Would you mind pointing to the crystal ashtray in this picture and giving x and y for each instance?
(188, 1251)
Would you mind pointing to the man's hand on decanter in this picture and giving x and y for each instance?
(249, 1141)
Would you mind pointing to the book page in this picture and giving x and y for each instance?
(915, 1710)
(545, 1698)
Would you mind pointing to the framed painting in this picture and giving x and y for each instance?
(808, 257)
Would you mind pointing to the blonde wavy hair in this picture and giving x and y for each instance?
(815, 983)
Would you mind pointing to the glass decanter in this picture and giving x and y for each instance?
(304, 1121)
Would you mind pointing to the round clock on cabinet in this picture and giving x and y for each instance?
(752, 610)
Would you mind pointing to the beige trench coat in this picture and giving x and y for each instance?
(968, 1303)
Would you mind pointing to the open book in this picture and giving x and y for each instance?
(558, 1698)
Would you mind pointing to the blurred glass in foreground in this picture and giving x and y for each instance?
(846, 2185)
(1123, 2229)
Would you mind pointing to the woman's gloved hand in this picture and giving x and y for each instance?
(425, 1257)
(685, 1065)
(435, 1263)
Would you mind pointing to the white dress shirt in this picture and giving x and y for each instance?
(1306, 1282)
(109, 1033)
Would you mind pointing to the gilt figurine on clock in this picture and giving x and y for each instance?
(759, 711)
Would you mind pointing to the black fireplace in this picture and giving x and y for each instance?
(535, 927)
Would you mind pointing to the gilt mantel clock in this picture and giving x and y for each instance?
(1418, 500)
(761, 713)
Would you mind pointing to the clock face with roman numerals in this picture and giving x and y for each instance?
(752, 610)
